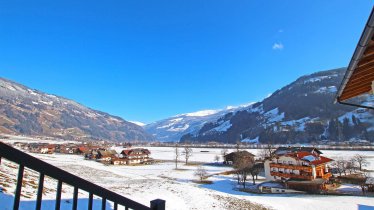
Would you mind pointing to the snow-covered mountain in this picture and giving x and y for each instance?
(302, 111)
(173, 128)
(31, 112)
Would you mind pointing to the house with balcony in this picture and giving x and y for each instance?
(297, 163)
(136, 156)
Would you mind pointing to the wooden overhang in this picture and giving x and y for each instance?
(359, 77)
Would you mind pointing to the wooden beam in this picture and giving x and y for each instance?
(351, 94)
(356, 87)
(367, 72)
(365, 68)
(366, 60)
(369, 50)
(361, 79)
(367, 88)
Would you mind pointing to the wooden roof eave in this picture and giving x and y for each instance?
(362, 45)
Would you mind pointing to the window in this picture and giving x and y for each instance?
(290, 163)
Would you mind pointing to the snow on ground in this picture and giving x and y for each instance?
(252, 141)
(349, 188)
(161, 180)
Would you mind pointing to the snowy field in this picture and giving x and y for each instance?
(161, 180)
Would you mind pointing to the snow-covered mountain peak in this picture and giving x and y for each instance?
(138, 123)
(173, 128)
(202, 113)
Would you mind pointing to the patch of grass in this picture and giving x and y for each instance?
(181, 169)
(193, 164)
(227, 172)
(202, 182)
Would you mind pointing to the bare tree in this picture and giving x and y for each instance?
(224, 151)
(361, 161)
(176, 155)
(340, 166)
(267, 151)
(254, 171)
(201, 173)
(216, 158)
(242, 167)
(187, 152)
(351, 165)
(237, 146)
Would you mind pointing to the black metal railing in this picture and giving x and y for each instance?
(45, 169)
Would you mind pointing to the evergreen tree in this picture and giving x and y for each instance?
(332, 129)
(354, 121)
(346, 129)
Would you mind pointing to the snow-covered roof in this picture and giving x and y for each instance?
(309, 158)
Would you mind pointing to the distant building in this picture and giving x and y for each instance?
(136, 156)
(106, 155)
(42, 148)
(67, 149)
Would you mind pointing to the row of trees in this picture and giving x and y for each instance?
(347, 129)
(348, 166)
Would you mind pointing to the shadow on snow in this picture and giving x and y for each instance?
(6, 203)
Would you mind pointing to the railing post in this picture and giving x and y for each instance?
(90, 199)
(103, 203)
(40, 192)
(58, 195)
(18, 188)
(75, 198)
(158, 204)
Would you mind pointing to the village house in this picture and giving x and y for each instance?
(42, 148)
(301, 168)
(136, 156)
(118, 161)
(230, 158)
(106, 155)
(67, 149)
(304, 163)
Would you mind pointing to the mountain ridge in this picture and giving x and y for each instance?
(28, 111)
(301, 111)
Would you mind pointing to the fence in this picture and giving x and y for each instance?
(45, 169)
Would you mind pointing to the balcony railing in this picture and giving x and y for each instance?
(293, 167)
(45, 169)
(285, 175)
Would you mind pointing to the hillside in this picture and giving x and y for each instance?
(173, 128)
(302, 111)
(30, 112)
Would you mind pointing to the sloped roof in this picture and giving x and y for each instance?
(138, 150)
(309, 157)
(360, 73)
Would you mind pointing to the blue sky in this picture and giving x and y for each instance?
(148, 60)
